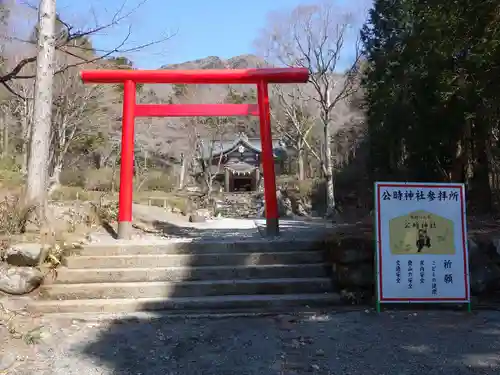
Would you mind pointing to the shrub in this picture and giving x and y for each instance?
(105, 211)
(306, 187)
(157, 181)
(9, 164)
(101, 179)
(286, 181)
(70, 193)
(14, 215)
(310, 189)
(72, 177)
(11, 179)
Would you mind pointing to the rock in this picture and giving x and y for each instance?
(194, 218)
(352, 256)
(19, 280)
(484, 266)
(23, 254)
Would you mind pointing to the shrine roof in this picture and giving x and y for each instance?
(213, 148)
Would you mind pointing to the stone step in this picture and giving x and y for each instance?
(194, 260)
(202, 304)
(102, 275)
(186, 288)
(203, 247)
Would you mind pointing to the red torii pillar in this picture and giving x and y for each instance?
(131, 110)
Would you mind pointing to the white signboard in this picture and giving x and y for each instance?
(421, 243)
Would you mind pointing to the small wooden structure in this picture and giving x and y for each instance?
(237, 163)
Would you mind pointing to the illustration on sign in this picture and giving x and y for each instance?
(421, 232)
(421, 243)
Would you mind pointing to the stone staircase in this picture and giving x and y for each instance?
(203, 276)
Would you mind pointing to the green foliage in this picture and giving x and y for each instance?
(9, 164)
(121, 62)
(430, 79)
(10, 173)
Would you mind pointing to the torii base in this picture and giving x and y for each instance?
(272, 228)
(124, 230)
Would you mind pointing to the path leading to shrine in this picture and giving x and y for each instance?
(359, 342)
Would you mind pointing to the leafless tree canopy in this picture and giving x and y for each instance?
(319, 38)
(74, 41)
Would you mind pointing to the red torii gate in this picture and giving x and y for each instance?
(131, 110)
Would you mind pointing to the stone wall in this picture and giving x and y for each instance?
(251, 205)
(351, 255)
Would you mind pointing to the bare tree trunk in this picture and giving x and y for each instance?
(26, 133)
(5, 149)
(3, 125)
(300, 161)
(182, 173)
(42, 113)
(113, 175)
(56, 174)
(327, 160)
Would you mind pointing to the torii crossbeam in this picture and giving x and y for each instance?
(131, 110)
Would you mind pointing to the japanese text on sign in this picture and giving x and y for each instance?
(420, 195)
(421, 248)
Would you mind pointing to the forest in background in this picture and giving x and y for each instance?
(414, 103)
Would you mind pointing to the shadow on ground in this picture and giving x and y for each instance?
(359, 342)
(349, 343)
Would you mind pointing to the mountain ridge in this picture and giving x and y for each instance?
(246, 61)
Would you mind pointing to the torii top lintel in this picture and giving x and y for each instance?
(205, 76)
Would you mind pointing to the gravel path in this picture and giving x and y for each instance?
(393, 343)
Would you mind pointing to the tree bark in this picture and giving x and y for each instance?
(6, 140)
(480, 181)
(182, 173)
(327, 161)
(42, 112)
(26, 133)
(3, 125)
(300, 161)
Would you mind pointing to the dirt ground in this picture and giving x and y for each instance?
(359, 342)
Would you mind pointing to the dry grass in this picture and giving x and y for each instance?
(55, 245)
(54, 240)
(14, 215)
(11, 320)
(105, 211)
(158, 199)
(73, 193)
(107, 180)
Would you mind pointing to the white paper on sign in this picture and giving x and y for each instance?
(421, 242)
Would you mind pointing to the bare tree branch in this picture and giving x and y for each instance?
(70, 35)
(314, 37)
